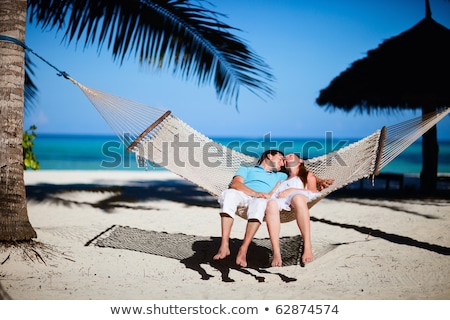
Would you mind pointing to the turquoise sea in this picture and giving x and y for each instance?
(88, 152)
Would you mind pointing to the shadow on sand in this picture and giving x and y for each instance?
(202, 250)
(135, 192)
(196, 251)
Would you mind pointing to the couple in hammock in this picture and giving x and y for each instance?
(266, 190)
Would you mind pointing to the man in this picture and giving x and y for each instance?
(300, 187)
(251, 187)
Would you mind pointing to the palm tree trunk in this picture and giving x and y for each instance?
(430, 153)
(14, 222)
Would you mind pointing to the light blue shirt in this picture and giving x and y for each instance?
(260, 180)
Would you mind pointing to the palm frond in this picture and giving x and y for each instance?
(169, 34)
(30, 88)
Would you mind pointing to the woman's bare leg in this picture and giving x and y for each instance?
(300, 204)
(273, 226)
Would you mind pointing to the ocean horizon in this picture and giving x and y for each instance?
(105, 152)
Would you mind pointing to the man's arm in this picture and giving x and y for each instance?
(238, 184)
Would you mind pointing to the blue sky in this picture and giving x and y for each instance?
(305, 42)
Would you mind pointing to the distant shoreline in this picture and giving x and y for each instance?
(97, 152)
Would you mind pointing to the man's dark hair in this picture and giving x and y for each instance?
(267, 152)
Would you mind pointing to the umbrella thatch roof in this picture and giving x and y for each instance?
(408, 71)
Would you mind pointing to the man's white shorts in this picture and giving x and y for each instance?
(230, 199)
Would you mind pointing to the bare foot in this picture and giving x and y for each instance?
(276, 260)
(222, 253)
(307, 255)
(241, 258)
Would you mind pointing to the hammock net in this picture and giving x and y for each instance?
(164, 140)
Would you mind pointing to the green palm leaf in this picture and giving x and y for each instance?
(175, 35)
(30, 92)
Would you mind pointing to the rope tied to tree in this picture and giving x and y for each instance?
(23, 45)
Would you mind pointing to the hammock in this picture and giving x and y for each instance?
(171, 143)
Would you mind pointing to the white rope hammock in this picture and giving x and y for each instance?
(154, 134)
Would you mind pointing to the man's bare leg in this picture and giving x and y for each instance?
(273, 226)
(300, 204)
(250, 231)
(224, 249)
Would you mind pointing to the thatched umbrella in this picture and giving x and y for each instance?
(408, 71)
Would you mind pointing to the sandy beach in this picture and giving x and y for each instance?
(143, 235)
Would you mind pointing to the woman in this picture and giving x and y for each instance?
(293, 193)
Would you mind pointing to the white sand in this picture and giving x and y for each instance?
(350, 263)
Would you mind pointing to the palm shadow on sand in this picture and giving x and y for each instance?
(127, 196)
(198, 250)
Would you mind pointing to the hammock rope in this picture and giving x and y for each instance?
(4, 37)
(159, 137)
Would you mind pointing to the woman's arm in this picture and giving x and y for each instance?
(311, 182)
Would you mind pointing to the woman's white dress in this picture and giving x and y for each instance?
(296, 182)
